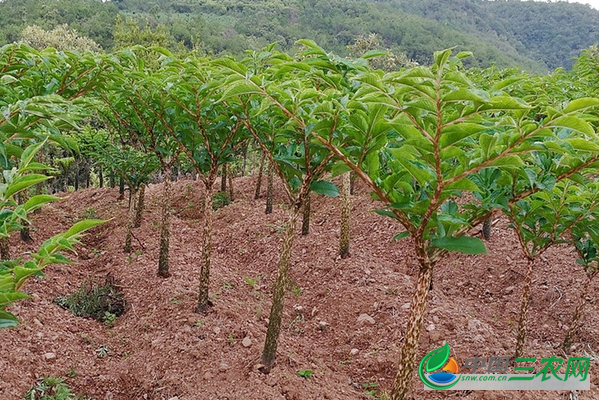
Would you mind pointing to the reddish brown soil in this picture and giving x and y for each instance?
(161, 349)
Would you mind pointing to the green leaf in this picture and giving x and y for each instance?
(374, 53)
(82, 226)
(8, 79)
(314, 48)
(574, 123)
(339, 168)
(463, 184)
(437, 358)
(583, 145)
(24, 182)
(384, 212)
(38, 200)
(8, 297)
(455, 133)
(29, 153)
(462, 244)
(325, 188)
(401, 235)
(7, 320)
(240, 88)
(581, 104)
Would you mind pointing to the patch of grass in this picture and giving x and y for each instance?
(220, 200)
(296, 290)
(90, 213)
(102, 302)
(252, 281)
(50, 388)
(370, 388)
(102, 351)
(305, 373)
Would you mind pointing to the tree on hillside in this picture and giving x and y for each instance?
(60, 38)
(434, 130)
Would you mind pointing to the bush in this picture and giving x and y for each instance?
(102, 302)
(220, 200)
(50, 388)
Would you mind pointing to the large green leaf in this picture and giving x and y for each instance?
(574, 123)
(462, 244)
(7, 320)
(325, 188)
(24, 182)
(81, 226)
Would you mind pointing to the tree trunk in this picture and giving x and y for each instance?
(121, 188)
(260, 174)
(25, 232)
(39, 187)
(244, 158)
(306, 214)
(270, 349)
(345, 219)
(4, 248)
(577, 314)
(100, 177)
(522, 329)
(487, 228)
(410, 346)
(352, 182)
(230, 178)
(175, 174)
(76, 180)
(224, 178)
(269, 206)
(163, 255)
(203, 300)
(130, 221)
(140, 206)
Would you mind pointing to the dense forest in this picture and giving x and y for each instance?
(534, 35)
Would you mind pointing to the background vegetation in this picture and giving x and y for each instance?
(537, 36)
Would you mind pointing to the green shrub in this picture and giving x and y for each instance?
(102, 302)
(50, 388)
(220, 200)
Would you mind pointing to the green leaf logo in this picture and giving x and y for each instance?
(437, 358)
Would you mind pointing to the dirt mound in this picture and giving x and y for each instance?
(161, 349)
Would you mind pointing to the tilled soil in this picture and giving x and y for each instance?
(161, 349)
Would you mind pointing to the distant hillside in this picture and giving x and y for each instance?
(534, 35)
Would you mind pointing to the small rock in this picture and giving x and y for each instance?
(435, 336)
(208, 375)
(217, 330)
(322, 326)
(474, 325)
(364, 319)
(223, 367)
(353, 352)
(405, 306)
(436, 319)
(246, 342)
(174, 398)
(509, 289)
(478, 338)
(430, 327)
(49, 356)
